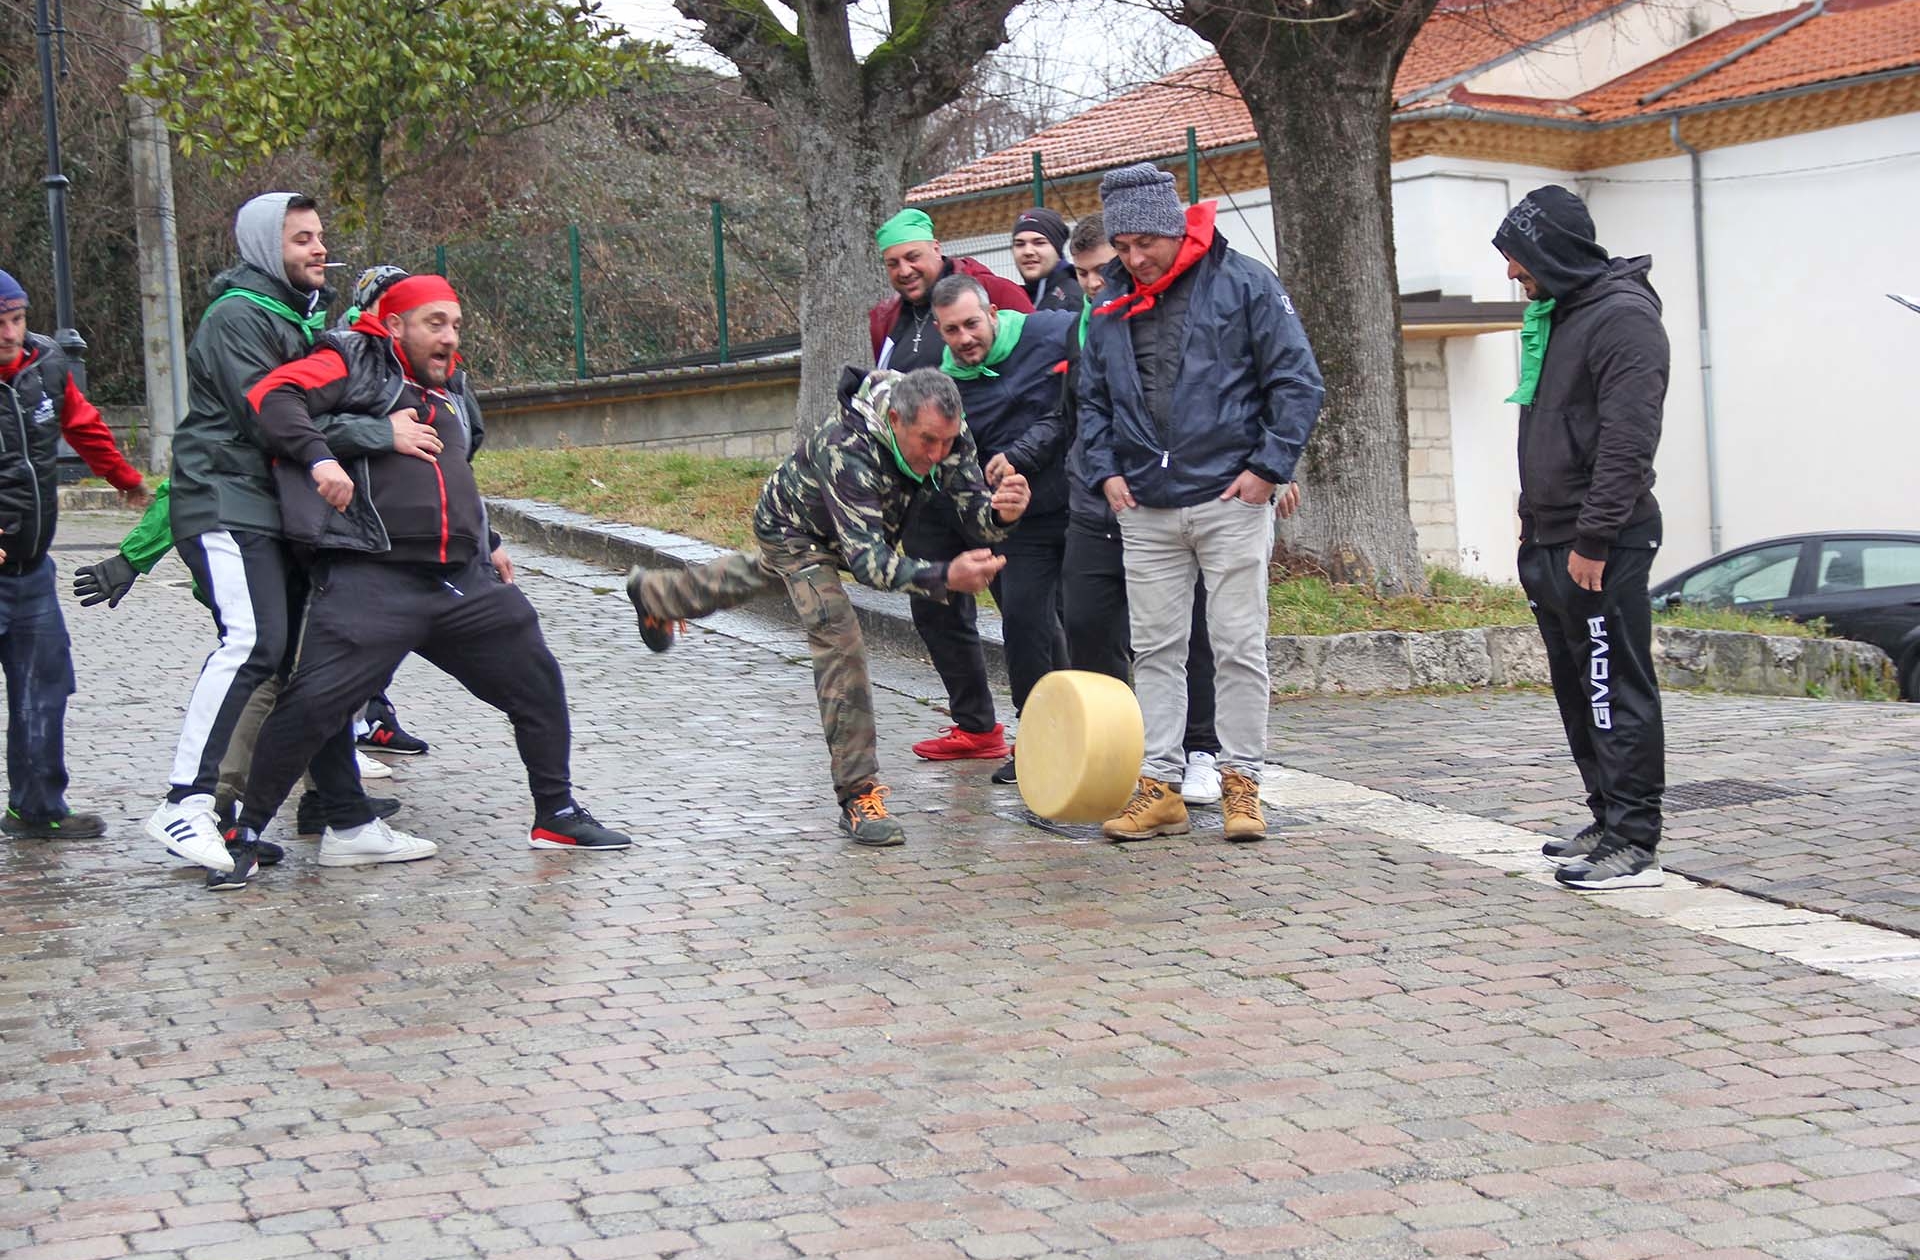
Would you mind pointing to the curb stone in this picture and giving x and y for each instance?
(1377, 661)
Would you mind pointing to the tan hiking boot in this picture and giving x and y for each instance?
(1240, 807)
(1155, 810)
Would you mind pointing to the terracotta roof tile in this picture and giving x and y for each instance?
(1853, 37)
(1152, 121)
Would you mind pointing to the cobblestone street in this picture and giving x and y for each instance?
(746, 1038)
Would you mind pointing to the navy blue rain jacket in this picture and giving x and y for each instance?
(1246, 396)
(1017, 413)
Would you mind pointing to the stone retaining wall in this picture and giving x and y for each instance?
(1505, 656)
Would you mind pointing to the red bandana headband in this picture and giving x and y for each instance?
(416, 291)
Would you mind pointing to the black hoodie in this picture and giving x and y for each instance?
(1588, 439)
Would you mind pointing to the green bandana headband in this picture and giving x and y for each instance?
(1004, 340)
(908, 225)
(1535, 325)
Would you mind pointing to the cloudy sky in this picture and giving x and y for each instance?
(1072, 52)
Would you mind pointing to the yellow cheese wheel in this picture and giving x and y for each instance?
(1081, 739)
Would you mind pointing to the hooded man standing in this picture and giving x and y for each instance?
(904, 337)
(267, 310)
(1593, 386)
(40, 403)
(1039, 246)
(1198, 391)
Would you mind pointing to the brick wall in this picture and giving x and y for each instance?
(1430, 454)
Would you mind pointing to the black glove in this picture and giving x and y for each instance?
(110, 580)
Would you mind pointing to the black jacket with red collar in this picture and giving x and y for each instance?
(404, 508)
(39, 404)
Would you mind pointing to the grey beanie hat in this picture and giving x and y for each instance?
(257, 229)
(1140, 198)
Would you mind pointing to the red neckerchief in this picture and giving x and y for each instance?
(1193, 248)
(10, 370)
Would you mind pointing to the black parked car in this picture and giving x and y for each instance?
(1865, 584)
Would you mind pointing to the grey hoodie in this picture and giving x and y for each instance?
(259, 229)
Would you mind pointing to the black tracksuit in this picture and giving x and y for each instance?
(405, 569)
(1587, 444)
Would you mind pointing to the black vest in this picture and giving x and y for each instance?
(32, 409)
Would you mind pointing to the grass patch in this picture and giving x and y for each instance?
(701, 496)
(1313, 605)
(712, 498)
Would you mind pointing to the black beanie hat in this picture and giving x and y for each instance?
(1551, 234)
(1046, 222)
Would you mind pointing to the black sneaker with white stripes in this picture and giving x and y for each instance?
(1615, 863)
(1562, 851)
(246, 864)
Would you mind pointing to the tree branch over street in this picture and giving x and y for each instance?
(854, 124)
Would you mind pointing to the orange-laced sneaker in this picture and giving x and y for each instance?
(865, 818)
(656, 632)
(1155, 810)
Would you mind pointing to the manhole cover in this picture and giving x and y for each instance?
(1721, 794)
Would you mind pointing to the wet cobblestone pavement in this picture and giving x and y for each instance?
(745, 1038)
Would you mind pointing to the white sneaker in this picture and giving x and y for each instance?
(372, 843)
(371, 769)
(1201, 786)
(190, 830)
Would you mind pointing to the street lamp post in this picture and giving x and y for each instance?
(65, 335)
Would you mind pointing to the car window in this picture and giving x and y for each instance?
(1866, 564)
(1748, 578)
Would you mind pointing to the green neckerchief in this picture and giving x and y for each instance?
(1535, 325)
(1004, 341)
(310, 326)
(1086, 315)
(893, 444)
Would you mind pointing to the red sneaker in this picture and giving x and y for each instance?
(959, 745)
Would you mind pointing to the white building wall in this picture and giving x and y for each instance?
(1817, 409)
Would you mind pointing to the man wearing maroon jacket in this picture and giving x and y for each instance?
(40, 403)
(904, 337)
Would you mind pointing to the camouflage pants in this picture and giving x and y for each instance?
(812, 578)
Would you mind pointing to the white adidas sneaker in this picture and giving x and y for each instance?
(371, 768)
(190, 831)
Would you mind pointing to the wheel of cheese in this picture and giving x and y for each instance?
(1081, 739)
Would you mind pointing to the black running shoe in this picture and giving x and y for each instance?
(575, 828)
(656, 632)
(1615, 864)
(384, 733)
(246, 864)
(1004, 774)
(1560, 852)
(311, 820)
(65, 827)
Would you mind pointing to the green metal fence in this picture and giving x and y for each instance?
(698, 284)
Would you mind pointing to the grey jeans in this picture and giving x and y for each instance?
(1227, 542)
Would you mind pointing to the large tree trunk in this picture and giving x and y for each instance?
(1321, 97)
(855, 178)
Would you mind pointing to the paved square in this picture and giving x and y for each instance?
(745, 1038)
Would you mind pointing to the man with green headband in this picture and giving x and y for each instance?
(1008, 366)
(902, 326)
(840, 501)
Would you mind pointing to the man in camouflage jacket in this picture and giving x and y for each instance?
(841, 501)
